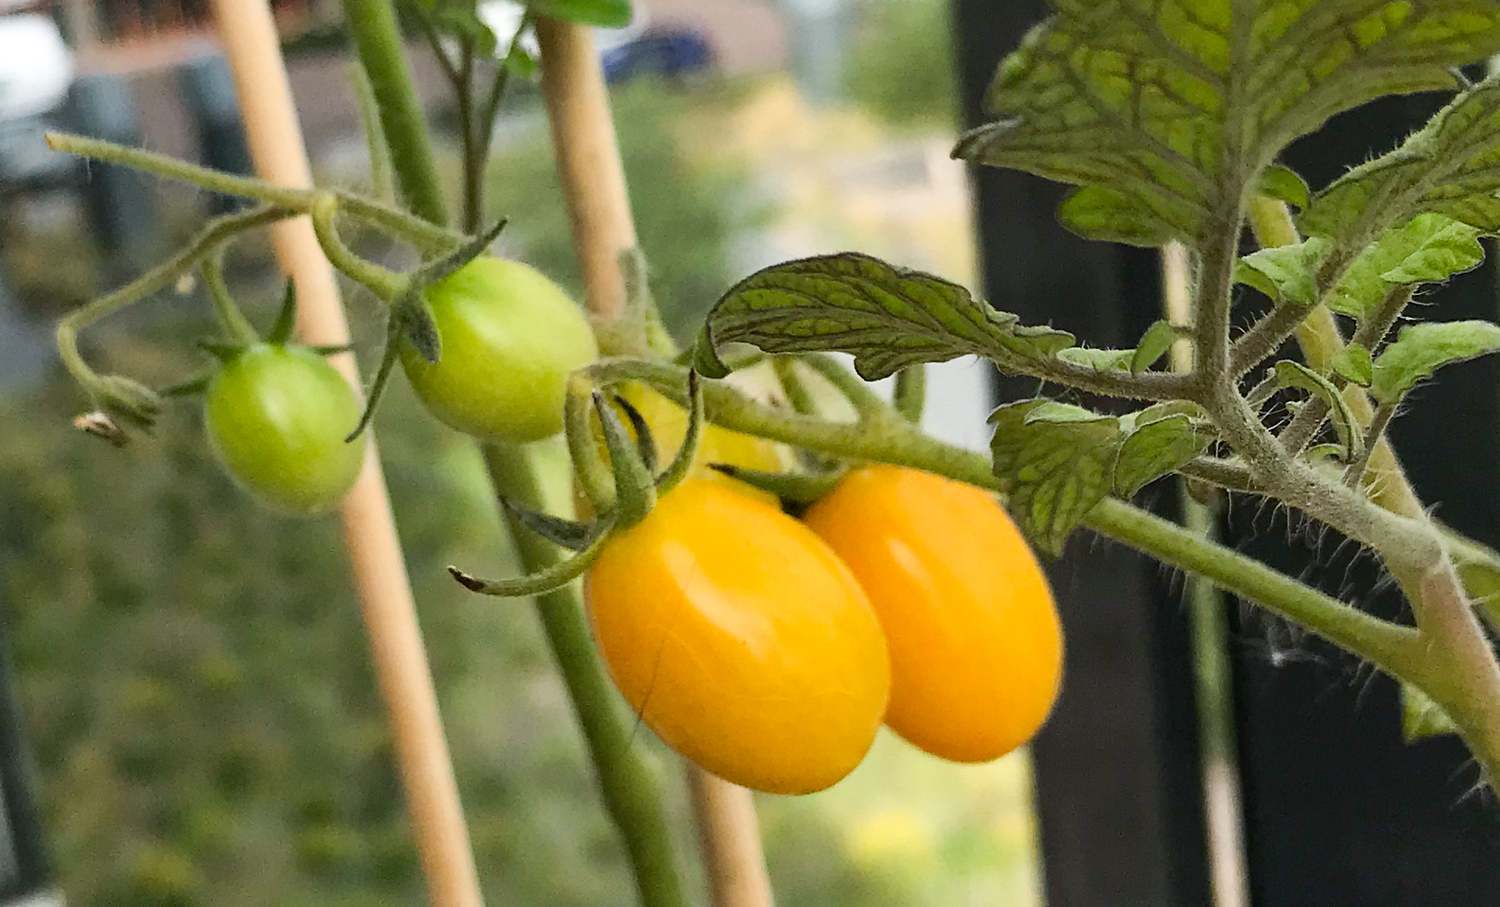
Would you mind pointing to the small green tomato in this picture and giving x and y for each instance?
(277, 417)
(510, 337)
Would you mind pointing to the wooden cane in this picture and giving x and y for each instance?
(593, 181)
(248, 34)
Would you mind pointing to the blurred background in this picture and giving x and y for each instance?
(195, 707)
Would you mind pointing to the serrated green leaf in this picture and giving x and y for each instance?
(1154, 344)
(1159, 444)
(1096, 212)
(1285, 184)
(1098, 360)
(1286, 274)
(459, 19)
(1429, 248)
(1055, 462)
(604, 13)
(1421, 349)
(1320, 452)
(887, 317)
(1353, 364)
(1422, 718)
(1448, 167)
(1295, 374)
(1169, 102)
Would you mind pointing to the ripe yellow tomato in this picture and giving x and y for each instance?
(669, 422)
(741, 639)
(976, 646)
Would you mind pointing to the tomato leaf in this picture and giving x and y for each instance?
(1285, 274)
(458, 18)
(887, 317)
(1054, 462)
(1353, 364)
(1297, 375)
(1447, 167)
(1422, 718)
(1430, 248)
(1284, 184)
(1154, 344)
(1169, 105)
(1160, 440)
(1421, 349)
(604, 13)
(1097, 212)
(1098, 360)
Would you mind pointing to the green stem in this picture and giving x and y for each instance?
(237, 327)
(214, 234)
(1390, 646)
(911, 392)
(377, 38)
(415, 230)
(384, 283)
(627, 778)
(473, 163)
(381, 181)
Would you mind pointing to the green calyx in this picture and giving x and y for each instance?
(622, 491)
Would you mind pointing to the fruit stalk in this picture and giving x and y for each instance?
(379, 569)
(626, 779)
(593, 180)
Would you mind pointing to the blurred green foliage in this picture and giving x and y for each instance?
(900, 67)
(194, 674)
(686, 213)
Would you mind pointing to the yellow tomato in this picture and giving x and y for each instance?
(668, 423)
(741, 639)
(976, 646)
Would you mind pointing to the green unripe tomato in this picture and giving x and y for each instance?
(510, 337)
(277, 417)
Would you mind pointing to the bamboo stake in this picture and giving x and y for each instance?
(248, 33)
(593, 180)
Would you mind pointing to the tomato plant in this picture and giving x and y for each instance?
(976, 647)
(741, 639)
(737, 633)
(509, 338)
(277, 417)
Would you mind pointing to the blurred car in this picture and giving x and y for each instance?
(36, 71)
(668, 52)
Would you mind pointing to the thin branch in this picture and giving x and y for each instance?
(1355, 475)
(214, 233)
(1309, 420)
(1231, 475)
(1265, 337)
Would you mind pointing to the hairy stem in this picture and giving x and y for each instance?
(237, 327)
(377, 39)
(419, 232)
(384, 283)
(213, 235)
(627, 777)
(626, 780)
(1459, 669)
(1211, 299)
(897, 442)
(382, 183)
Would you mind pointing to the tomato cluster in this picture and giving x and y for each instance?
(766, 648)
(770, 650)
